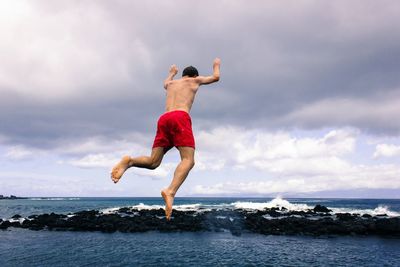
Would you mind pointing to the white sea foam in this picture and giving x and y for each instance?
(253, 206)
(275, 203)
(380, 210)
(109, 210)
(141, 206)
(269, 217)
(20, 220)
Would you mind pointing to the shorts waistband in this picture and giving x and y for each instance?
(174, 111)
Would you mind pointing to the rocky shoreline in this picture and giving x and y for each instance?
(11, 197)
(274, 221)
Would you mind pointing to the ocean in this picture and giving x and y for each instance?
(22, 247)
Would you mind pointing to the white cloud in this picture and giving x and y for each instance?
(385, 150)
(163, 171)
(274, 151)
(19, 153)
(292, 164)
(94, 161)
(130, 143)
(103, 161)
(270, 162)
(22, 183)
(303, 166)
(356, 177)
(100, 153)
(205, 161)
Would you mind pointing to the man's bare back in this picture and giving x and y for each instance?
(181, 92)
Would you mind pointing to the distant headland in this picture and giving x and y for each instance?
(11, 197)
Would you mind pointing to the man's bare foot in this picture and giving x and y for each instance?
(120, 168)
(169, 200)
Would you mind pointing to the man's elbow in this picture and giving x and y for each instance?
(216, 78)
(166, 83)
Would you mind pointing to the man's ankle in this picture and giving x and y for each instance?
(130, 162)
(169, 192)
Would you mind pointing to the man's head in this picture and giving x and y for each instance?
(190, 71)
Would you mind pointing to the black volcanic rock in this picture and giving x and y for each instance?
(267, 221)
(345, 216)
(12, 197)
(390, 226)
(319, 208)
(5, 225)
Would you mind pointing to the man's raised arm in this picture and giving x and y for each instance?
(173, 70)
(214, 77)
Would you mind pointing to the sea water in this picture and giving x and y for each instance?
(21, 247)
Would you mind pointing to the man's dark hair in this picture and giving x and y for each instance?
(190, 71)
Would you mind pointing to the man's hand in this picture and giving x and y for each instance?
(212, 78)
(173, 70)
(217, 61)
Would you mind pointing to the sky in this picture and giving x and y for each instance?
(307, 104)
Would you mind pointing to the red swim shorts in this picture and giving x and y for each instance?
(174, 128)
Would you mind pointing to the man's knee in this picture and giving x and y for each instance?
(190, 162)
(154, 164)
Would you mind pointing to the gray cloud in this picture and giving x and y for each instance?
(373, 115)
(76, 69)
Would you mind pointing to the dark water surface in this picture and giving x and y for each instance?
(19, 247)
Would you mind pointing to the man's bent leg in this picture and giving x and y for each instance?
(181, 172)
(151, 162)
(126, 162)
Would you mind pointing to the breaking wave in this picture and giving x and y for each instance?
(380, 210)
(275, 203)
(278, 202)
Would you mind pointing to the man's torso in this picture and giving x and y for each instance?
(180, 94)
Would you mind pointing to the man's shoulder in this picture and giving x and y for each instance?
(183, 81)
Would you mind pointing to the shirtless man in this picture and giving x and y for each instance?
(174, 128)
